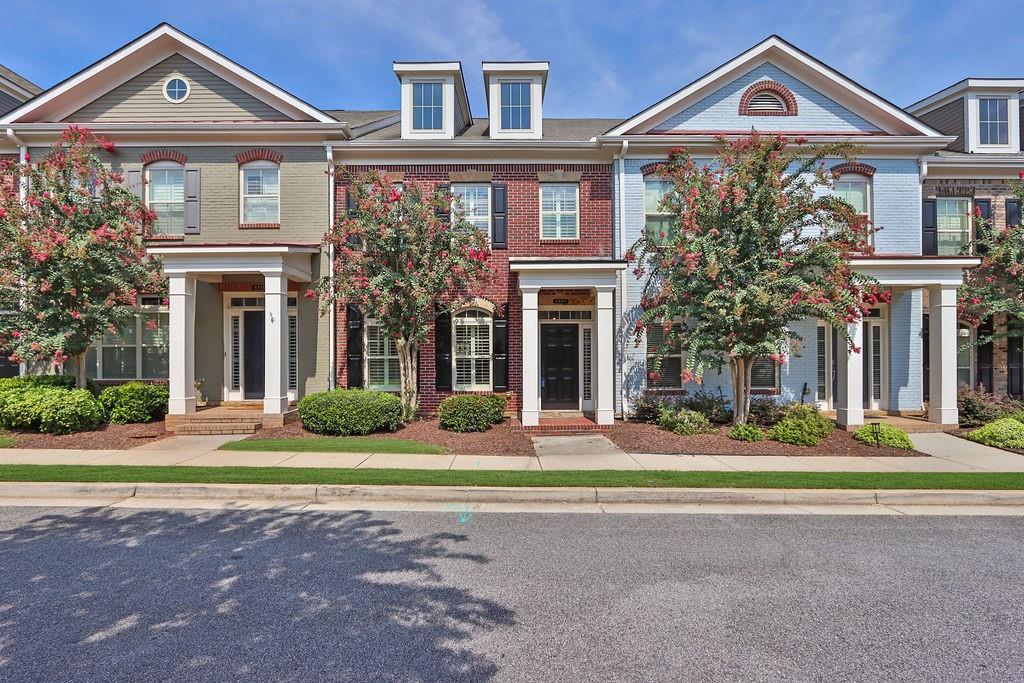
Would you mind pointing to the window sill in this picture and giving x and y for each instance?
(766, 392)
(560, 240)
(259, 226)
(163, 238)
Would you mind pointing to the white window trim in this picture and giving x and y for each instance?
(226, 391)
(528, 82)
(98, 345)
(968, 215)
(972, 120)
(971, 336)
(175, 77)
(540, 207)
(490, 205)
(535, 131)
(241, 189)
(160, 166)
(489, 317)
(447, 130)
(653, 179)
(824, 402)
(367, 323)
(869, 195)
(883, 324)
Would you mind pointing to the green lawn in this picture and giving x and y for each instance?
(595, 478)
(334, 444)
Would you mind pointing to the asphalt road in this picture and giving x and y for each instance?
(108, 595)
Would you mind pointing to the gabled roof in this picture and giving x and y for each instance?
(19, 86)
(142, 53)
(872, 107)
(959, 88)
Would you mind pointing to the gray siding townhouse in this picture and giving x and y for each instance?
(972, 173)
(15, 89)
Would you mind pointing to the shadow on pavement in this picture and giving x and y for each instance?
(152, 595)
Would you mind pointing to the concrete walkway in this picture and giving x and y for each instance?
(948, 454)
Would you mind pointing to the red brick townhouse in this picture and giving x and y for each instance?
(543, 329)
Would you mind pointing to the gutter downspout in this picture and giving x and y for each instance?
(332, 362)
(621, 157)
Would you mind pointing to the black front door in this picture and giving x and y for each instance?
(255, 334)
(560, 366)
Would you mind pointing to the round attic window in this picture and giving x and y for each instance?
(176, 90)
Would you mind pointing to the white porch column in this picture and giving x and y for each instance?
(182, 361)
(275, 386)
(604, 363)
(530, 414)
(942, 348)
(850, 401)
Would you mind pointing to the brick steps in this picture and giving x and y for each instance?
(561, 426)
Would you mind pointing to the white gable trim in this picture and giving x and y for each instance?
(885, 115)
(158, 44)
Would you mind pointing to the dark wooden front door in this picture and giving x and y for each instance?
(255, 334)
(560, 357)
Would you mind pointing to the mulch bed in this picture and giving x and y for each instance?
(110, 437)
(639, 437)
(498, 440)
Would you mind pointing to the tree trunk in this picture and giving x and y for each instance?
(80, 378)
(740, 371)
(409, 372)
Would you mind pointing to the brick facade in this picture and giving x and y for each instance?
(523, 181)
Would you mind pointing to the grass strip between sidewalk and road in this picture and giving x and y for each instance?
(559, 478)
(334, 444)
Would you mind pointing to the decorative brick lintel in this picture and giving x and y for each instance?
(156, 155)
(855, 168)
(774, 87)
(259, 155)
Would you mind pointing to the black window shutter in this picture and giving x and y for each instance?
(499, 352)
(1015, 360)
(985, 211)
(444, 214)
(192, 212)
(985, 356)
(1012, 212)
(499, 216)
(443, 351)
(929, 228)
(133, 181)
(350, 201)
(354, 344)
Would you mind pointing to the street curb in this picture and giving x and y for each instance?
(312, 493)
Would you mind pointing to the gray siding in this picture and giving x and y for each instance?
(209, 340)
(8, 102)
(210, 98)
(948, 120)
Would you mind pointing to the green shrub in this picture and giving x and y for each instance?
(797, 432)
(821, 425)
(766, 412)
(747, 432)
(134, 402)
(37, 382)
(887, 436)
(65, 412)
(648, 408)
(343, 412)
(978, 407)
(471, 412)
(1003, 433)
(714, 408)
(684, 422)
(20, 407)
(1017, 415)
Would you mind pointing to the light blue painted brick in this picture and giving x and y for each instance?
(720, 109)
(906, 351)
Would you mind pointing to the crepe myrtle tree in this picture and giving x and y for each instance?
(755, 242)
(399, 254)
(72, 263)
(995, 287)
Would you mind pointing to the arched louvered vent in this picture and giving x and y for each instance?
(766, 102)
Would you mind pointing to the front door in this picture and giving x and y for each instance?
(560, 357)
(255, 334)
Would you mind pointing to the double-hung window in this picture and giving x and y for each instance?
(382, 367)
(855, 190)
(165, 196)
(559, 211)
(261, 192)
(657, 220)
(993, 121)
(953, 223)
(473, 202)
(472, 357)
(964, 355)
(515, 105)
(427, 105)
(138, 349)
(764, 375)
(670, 375)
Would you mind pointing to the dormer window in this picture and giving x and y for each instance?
(515, 105)
(427, 105)
(993, 121)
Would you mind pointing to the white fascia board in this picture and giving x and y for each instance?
(224, 250)
(543, 266)
(960, 88)
(420, 68)
(516, 69)
(872, 144)
(762, 52)
(14, 89)
(239, 73)
(915, 272)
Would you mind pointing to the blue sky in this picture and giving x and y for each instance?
(608, 59)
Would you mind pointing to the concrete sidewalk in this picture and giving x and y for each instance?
(947, 454)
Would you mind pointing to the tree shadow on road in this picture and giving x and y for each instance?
(158, 594)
